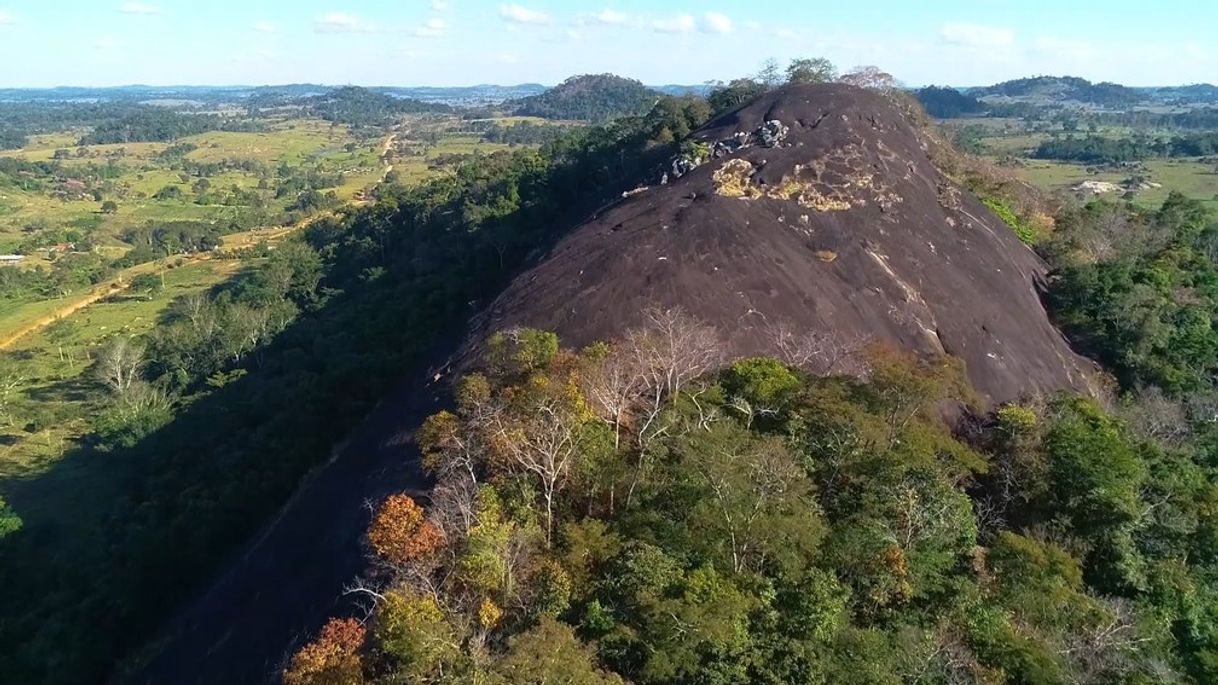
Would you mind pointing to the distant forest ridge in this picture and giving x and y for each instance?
(1048, 86)
(475, 94)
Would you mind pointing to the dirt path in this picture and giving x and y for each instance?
(385, 153)
(98, 292)
(117, 283)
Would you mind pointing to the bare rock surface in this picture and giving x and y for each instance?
(817, 209)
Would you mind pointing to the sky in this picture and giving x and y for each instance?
(464, 42)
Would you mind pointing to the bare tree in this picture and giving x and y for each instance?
(1159, 417)
(542, 440)
(614, 385)
(118, 365)
(822, 353)
(870, 77)
(1107, 646)
(673, 349)
(11, 378)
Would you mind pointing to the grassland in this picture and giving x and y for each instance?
(48, 393)
(1007, 140)
(308, 144)
(1191, 177)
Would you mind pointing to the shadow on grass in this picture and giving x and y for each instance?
(78, 388)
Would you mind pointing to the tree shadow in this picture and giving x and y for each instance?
(79, 388)
(114, 541)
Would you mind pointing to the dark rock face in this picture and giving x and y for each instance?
(841, 225)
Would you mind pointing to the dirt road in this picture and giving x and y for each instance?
(116, 284)
(74, 304)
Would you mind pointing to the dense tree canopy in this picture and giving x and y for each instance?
(592, 523)
(948, 103)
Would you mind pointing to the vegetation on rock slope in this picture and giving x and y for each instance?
(636, 511)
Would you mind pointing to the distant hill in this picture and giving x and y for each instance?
(591, 97)
(360, 106)
(1197, 93)
(481, 94)
(945, 102)
(678, 90)
(1063, 89)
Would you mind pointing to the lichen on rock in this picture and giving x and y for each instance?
(735, 179)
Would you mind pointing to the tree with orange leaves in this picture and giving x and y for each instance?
(332, 659)
(399, 533)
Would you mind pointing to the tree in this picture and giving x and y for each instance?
(332, 659)
(723, 98)
(109, 207)
(760, 386)
(770, 74)
(869, 77)
(146, 284)
(811, 70)
(399, 534)
(549, 653)
(9, 521)
(1095, 473)
(414, 632)
(754, 506)
(119, 363)
(168, 192)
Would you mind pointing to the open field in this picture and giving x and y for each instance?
(48, 395)
(1195, 179)
(1003, 139)
(293, 144)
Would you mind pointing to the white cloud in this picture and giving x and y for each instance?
(787, 34)
(523, 15)
(434, 28)
(340, 22)
(105, 43)
(1056, 47)
(611, 17)
(714, 22)
(752, 25)
(439, 5)
(682, 23)
(6, 19)
(977, 36)
(507, 58)
(264, 27)
(138, 8)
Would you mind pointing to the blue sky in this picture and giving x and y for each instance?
(460, 42)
